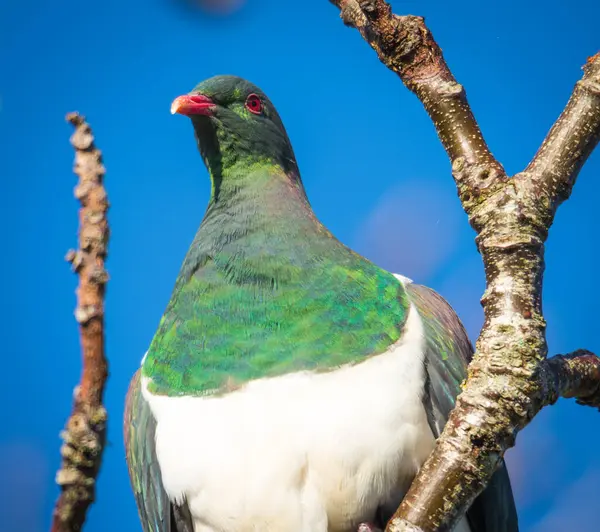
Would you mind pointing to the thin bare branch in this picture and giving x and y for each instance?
(406, 46)
(552, 173)
(576, 375)
(85, 432)
(509, 380)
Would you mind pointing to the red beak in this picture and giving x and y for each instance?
(193, 104)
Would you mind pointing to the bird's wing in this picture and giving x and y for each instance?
(157, 513)
(447, 355)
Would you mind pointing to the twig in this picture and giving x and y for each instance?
(552, 173)
(576, 375)
(85, 432)
(509, 380)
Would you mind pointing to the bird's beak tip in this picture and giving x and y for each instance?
(192, 104)
(176, 105)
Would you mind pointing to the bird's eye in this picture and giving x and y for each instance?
(253, 104)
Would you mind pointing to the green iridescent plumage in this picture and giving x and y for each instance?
(265, 289)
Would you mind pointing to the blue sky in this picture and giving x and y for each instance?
(372, 165)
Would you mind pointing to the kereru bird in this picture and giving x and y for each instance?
(292, 385)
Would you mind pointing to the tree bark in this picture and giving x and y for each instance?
(509, 379)
(85, 433)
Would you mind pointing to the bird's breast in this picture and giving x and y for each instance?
(299, 450)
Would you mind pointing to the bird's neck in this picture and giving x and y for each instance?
(258, 197)
(258, 224)
(234, 163)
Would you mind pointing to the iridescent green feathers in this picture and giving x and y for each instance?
(269, 293)
(235, 135)
(265, 289)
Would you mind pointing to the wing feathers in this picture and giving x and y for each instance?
(157, 514)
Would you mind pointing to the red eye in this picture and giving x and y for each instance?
(253, 104)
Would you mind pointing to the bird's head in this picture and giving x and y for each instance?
(235, 123)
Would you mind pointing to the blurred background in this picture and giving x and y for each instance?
(374, 170)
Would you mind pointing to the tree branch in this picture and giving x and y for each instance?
(503, 392)
(509, 380)
(406, 46)
(551, 174)
(576, 375)
(85, 432)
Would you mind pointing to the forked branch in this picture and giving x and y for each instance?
(509, 379)
(85, 432)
